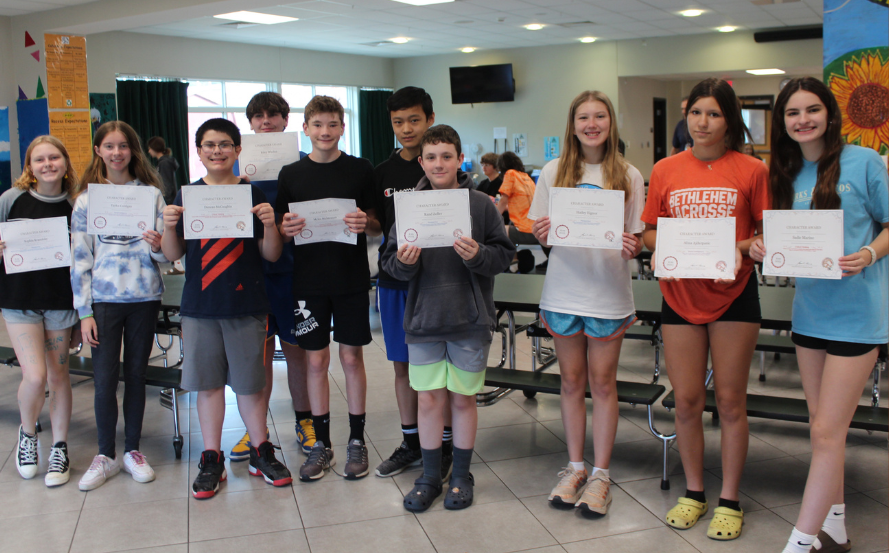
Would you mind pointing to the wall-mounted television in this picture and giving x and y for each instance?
(482, 83)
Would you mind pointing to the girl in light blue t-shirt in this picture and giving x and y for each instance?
(837, 324)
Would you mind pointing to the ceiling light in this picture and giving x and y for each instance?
(467, 50)
(423, 2)
(691, 13)
(765, 71)
(588, 39)
(255, 17)
(399, 39)
(534, 27)
(726, 29)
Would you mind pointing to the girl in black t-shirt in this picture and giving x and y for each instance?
(38, 308)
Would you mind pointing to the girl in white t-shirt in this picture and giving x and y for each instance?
(587, 300)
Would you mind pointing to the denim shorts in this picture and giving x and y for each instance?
(52, 319)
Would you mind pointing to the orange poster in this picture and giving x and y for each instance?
(74, 130)
(66, 78)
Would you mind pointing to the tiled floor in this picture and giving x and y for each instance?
(520, 449)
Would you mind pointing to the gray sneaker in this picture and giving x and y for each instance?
(402, 458)
(319, 460)
(356, 460)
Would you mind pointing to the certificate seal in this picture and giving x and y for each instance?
(411, 235)
(241, 225)
(670, 263)
(827, 263)
(141, 225)
(458, 233)
(778, 260)
(250, 169)
(59, 256)
(720, 266)
(17, 260)
(562, 231)
(347, 232)
(306, 234)
(100, 222)
(609, 236)
(197, 225)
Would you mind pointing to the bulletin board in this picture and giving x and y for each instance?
(74, 130)
(66, 76)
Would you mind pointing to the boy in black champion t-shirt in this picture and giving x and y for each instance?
(330, 279)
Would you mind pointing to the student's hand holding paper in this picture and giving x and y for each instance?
(409, 255)
(356, 221)
(293, 224)
(172, 214)
(265, 213)
(466, 247)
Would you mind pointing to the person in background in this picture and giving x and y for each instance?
(493, 178)
(166, 166)
(516, 192)
(747, 149)
(681, 138)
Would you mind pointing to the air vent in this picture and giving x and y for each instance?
(374, 44)
(238, 25)
(575, 24)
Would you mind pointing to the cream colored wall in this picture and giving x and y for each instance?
(637, 118)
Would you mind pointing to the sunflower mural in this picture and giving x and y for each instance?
(856, 68)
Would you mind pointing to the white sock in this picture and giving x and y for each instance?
(835, 523)
(579, 467)
(605, 473)
(799, 542)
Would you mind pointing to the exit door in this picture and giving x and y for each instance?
(659, 128)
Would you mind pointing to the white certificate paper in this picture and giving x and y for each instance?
(36, 244)
(264, 154)
(324, 221)
(803, 243)
(695, 248)
(120, 210)
(432, 218)
(217, 211)
(586, 218)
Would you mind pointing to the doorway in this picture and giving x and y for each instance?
(659, 129)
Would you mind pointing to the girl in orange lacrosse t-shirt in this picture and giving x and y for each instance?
(700, 317)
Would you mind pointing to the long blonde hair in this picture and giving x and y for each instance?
(615, 169)
(138, 166)
(27, 180)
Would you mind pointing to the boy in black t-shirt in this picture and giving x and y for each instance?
(224, 307)
(330, 279)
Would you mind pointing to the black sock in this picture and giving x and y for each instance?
(302, 415)
(734, 505)
(356, 427)
(411, 436)
(697, 496)
(432, 463)
(462, 458)
(322, 428)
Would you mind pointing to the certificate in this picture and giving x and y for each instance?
(218, 211)
(36, 244)
(803, 243)
(432, 218)
(263, 154)
(695, 248)
(586, 218)
(324, 221)
(120, 210)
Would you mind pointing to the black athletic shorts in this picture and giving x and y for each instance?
(833, 347)
(745, 308)
(351, 320)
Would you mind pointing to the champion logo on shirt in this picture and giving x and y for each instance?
(389, 192)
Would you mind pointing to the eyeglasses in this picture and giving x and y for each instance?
(225, 147)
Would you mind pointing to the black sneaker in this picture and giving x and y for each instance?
(59, 471)
(26, 454)
(402, 458)
(212, 467)
(263, 463)
(447, 459)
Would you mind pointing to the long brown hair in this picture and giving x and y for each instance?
(736, 131)
(138, 166)
(615, 169)
(27, 180)
(787, 156)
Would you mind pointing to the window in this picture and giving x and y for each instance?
(229, 99)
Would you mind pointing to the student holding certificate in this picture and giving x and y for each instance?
(837, 324)
(38, 309)
(588, 316)
(721, 317)
(117, 288)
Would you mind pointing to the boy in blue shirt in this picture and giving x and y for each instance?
(224, 309)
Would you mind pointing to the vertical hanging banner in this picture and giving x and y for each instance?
(74, 130)
(66, 77)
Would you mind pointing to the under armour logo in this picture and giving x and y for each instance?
(302, 310)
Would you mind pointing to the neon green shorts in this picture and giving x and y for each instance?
(445, 375)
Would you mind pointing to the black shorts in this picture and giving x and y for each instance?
(351, 320)
(745, 308)
(833, 347)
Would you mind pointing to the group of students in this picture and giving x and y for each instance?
(436, 305)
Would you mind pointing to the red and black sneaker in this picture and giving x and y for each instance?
(263, 463)
(212, 472)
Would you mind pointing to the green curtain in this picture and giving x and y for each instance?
(377, 138)
(155, 108)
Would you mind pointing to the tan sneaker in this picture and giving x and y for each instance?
(597, 495)
(569, 487)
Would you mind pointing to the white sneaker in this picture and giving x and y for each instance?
(100, 470)
(26, 454)
(136, 464)
(58, 472)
